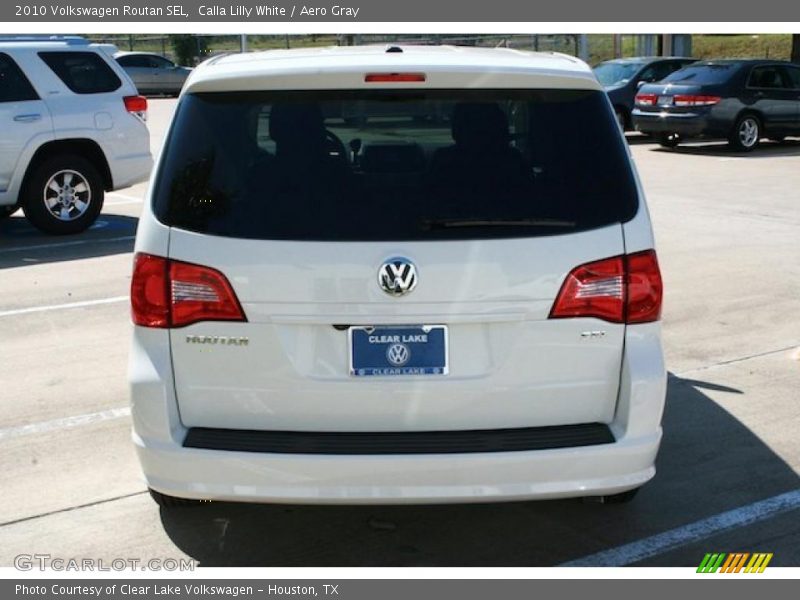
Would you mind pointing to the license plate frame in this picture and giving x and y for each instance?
(369, 350)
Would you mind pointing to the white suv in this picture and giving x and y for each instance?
(395, 275)
(73, 128)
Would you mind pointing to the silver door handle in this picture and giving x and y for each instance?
(27, 118)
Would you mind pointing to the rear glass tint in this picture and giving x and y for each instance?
(384, 165)
(616, 73)
(703, 74)
(82, 72)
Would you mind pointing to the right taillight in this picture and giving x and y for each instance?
(169, 293)
(644, 287)
(136, 105)
(620, 289)
(695, 100)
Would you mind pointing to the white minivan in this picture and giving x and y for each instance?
(395, 275)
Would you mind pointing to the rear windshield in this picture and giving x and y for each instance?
(384, 165)
(703, 74)
(616, 73)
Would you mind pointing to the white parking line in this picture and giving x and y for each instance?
(65, 423)
(123, 199)
(64, 244)
(46, 307)
(693, 532)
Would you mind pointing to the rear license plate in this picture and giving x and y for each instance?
(398, 350)
(665, 100)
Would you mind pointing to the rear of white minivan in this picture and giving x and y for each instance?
(396, 290)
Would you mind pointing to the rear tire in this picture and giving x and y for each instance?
(64, 195)
(621, 498)
(668, 140)
(622, 119)
(746, 133)
(165, 501)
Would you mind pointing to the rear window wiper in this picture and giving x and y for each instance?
(455, 223)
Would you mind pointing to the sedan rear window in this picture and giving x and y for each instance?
(616, 73)
(383, 165)
(703, 74)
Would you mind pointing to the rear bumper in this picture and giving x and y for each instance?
(394, 479)
(603, 468)
(130, 169)
(684, 124)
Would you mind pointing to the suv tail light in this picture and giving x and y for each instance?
(136, 105)
(621, 289)
(169, 293)
(694, 100)
(646, 99)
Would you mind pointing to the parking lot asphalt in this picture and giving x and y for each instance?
(728, 233)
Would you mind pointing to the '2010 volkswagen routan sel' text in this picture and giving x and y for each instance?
(395, 275)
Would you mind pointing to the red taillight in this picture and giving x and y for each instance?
(394, 77)
(170, 293)
(150, 291)
(135, 104)
(644, 287)
(646, 99)
(693, 100)
(621, 289)
(593, 290)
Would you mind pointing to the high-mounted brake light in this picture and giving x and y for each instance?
(695, 100)
(621, 289)
(394, 77)
(646, 99)
(169, 293)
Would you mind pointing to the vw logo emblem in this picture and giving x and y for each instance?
(398, 354)
(397, 276)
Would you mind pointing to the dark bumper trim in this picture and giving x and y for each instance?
(400, 442)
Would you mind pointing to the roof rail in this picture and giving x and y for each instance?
(72, 40)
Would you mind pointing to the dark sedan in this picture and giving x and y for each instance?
(742, 101)
(623, 77)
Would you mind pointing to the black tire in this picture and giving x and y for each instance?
(622, 118)
(78, 203)
(165, 501)
(7, 211)
(742, 137)
(668, 140)
(621, 498)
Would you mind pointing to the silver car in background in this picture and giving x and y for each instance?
(152, 73)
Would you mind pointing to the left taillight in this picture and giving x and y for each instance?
(168, 293)
(136, 105)
(620, 289)
(646, 99)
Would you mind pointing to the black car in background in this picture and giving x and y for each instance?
(623, 77)
(742, 101)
